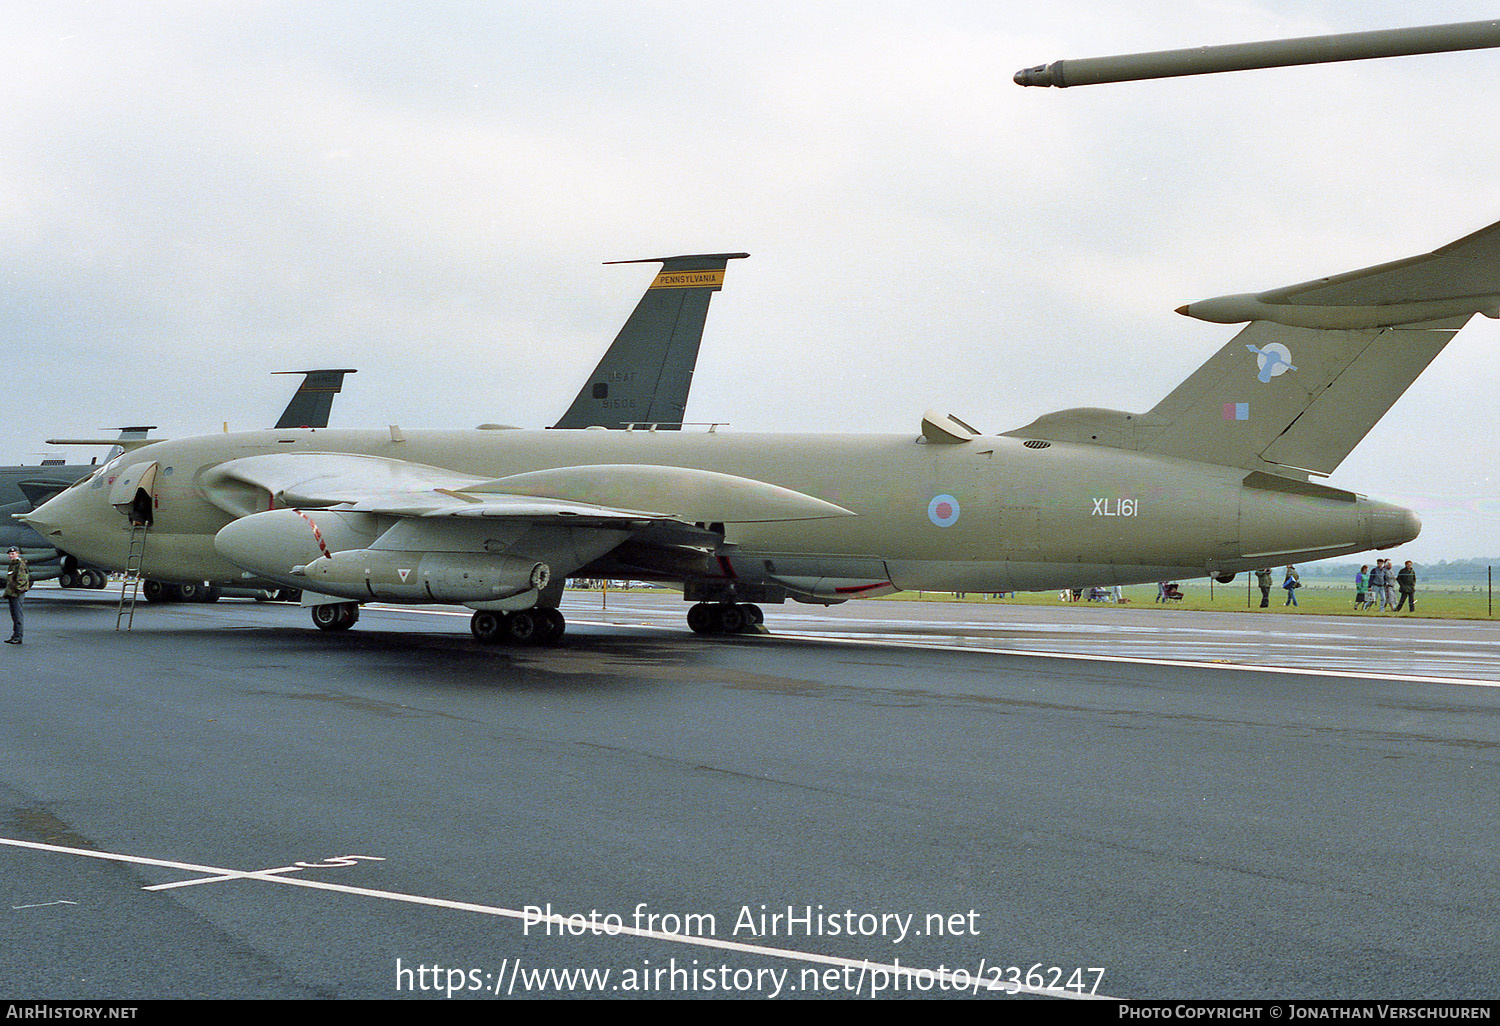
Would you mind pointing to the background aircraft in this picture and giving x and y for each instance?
(1216, 478)
(643, 377)
(647, 372)
(23, 488)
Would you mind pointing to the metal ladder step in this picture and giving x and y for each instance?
(130, 587)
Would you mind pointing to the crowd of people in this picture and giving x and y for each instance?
(1381, 584)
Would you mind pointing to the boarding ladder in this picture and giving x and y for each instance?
(130, 588)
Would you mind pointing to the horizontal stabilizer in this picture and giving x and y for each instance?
(1317, 366)
(1458, 280)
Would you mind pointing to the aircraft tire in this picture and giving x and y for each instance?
(337, 616)
(702, 619)
(67, 580)
(522, 627)
(488, 627)
(753, 615)
(552, 624)
(155, 591)
(731, 618)
(97, 579)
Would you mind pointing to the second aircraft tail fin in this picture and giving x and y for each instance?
(313, 401)
(645, 375)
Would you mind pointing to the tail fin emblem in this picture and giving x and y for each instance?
(1274, 359)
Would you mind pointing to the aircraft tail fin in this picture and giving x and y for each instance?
(313, 400)
(1317, 366)
(645, 375)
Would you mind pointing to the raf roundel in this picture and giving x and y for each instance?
(943, 510)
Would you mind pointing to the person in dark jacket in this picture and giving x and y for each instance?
(1406, 580)
(1264, 580)
(17, 584)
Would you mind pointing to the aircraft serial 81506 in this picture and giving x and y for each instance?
(1215, 479)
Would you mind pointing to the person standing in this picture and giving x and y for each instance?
(1376, 584)
(1359, 586)
(1291, 584)
(1390, 585)
(1264, 580)
(1406, 580)
(17, 584)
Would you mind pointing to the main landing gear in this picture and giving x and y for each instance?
(724, 618)
(336, 616)
(540, 626)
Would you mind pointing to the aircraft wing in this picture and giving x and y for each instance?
(347, 513)
(401, 488)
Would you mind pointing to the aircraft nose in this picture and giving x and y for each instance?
(64, 522)
(42, 520)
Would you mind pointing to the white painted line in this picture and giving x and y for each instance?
(43, 904)
(967, 981)
(1302, 671)
(259, 874)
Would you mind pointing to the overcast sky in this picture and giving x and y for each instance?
(195, 194)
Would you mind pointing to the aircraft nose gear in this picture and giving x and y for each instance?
(724, 618)
(526, 627)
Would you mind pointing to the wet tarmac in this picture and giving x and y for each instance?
(879, 799)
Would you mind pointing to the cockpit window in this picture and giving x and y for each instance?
(97, 478)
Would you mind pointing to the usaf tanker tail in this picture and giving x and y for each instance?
(645, 375)
(313, 400)
(1319, 363)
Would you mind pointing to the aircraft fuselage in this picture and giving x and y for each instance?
(990, 514)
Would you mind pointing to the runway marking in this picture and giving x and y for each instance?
(967, 981)
(1194, 664)
(43, 904)
(954, 642)
(262, 874)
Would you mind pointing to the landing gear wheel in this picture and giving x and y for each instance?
(155, 591)
(96, 579)
(521, 627)
(731, 618)
(337, 616)
(753, 616)
(702, 619)
(550, 626)
(67, 580)
(487, 627)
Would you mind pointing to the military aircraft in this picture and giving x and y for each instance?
(1214, 479)
(24, 488)
(643, 377)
